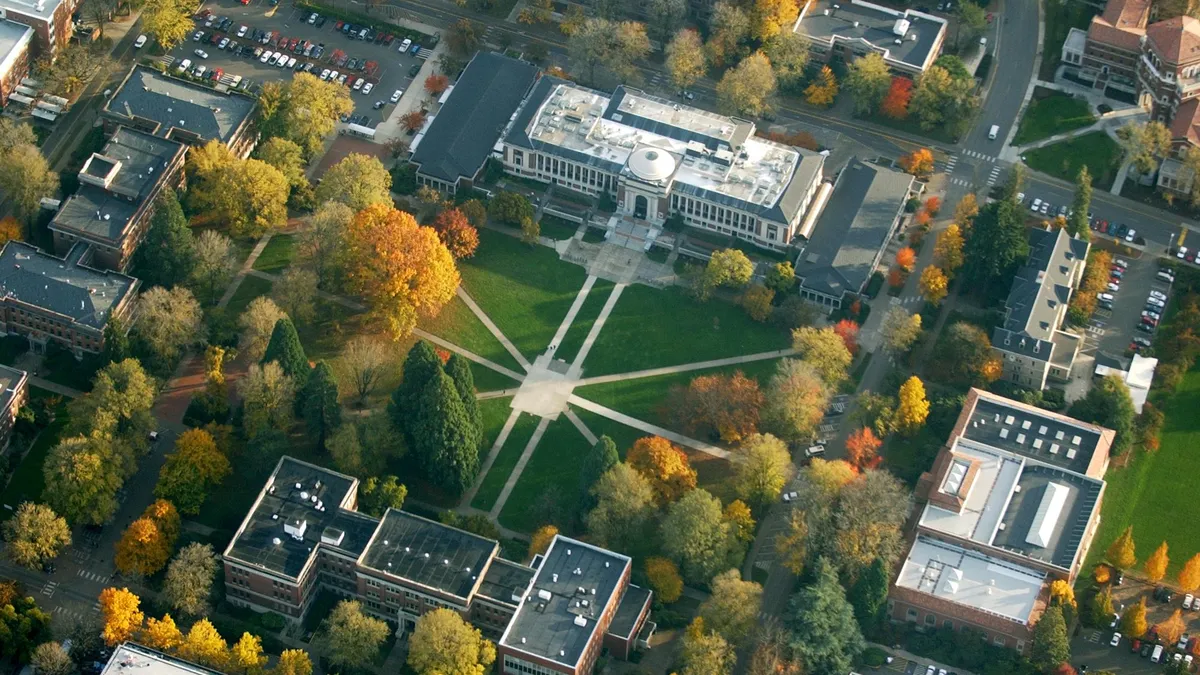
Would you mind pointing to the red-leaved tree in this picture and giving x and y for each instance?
(862, 448)
(895, 103)
(456, 233)
(847, 329)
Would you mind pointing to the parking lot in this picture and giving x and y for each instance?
(381, 65)
(1112, 331)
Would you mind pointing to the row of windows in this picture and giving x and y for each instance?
(931, 621)
(719, 214)
(514, 665)
(586, 178)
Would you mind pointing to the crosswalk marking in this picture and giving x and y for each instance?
(94, 576)
(979, 155)
(993, 176)
(961, 182)
(951, 162)
(49, 589)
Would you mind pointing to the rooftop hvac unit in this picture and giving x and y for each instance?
(544, 594)
(580, 621)
(900, 27)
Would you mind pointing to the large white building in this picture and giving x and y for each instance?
(657, 157)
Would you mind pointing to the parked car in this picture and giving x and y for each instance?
(223, 43)
(404, 45)
(1158, 294)
(396, 95)
(140, 42)
(1187, 599)
(1156, 316)
(266, 56)
(242, 30)
(412, 72)
(201, 53)
(1116, 640)
(1131, 235)
(1105, 296)
(183, 65)
(814, 451)
(325, 74)
(1113, 288)
(358, 83)
(1122, 230)
(367, 88)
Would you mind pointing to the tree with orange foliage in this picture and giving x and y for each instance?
(10, 229)
(896, 277)
(142, 549)
(895, 103)
(402, 269)
(457, 233)
(436, 83)
(906, 258)
(411, 121)
(919, 162)
(1169, 631)
(723, 405)
(923, 218)
(862, 448)
(847, 329)
(933, 205)
(991, 370)
(664, 466)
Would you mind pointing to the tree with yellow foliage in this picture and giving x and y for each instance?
(665, 466)
(948, 249)
(919, 162)
(204, 645)
(1156, 564)
(1169, 631)
(164, 515)
(1122, 554)
(444, 644)
(740, 519)
(161, 634)
(769, 17)
(121, 614)
(293, 662)
(913, 407)
(540, 541)
(791, 545)
(823, 90)
(934, 284)
(246, 655)
(11, 229)
(1062, 593)
(1189, 576)
(403, 270)
(1133, 622)
(966, 210)
(663, 575)
(142, 550)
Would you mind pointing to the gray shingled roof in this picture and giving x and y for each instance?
(173, 103)
(460, 139)
(853, 228)
(61, 285)
(1038, 291)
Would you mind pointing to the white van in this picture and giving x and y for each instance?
(1156, 657)
(993, 132)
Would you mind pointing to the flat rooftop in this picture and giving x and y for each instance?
(970, 578)
(133, 659)
(61, 285)
(12, 34)
(10, 380)
(574, 585)
(853, 227)
(878, 26)
(43, 9)
(1056, 440)
(300, 507)
(93, 211)
(175, 103)
(506, 581)
(428, 553)
(713, 156)
(632, 604)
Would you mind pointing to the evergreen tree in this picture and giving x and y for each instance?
(824, 632)
(868, 596)
(1050, 643)
(167, 253)
(459, 370)
(443, 439)
(322, 413)
(602, 457)
(285, 348)
(421, 366)
(116, 341)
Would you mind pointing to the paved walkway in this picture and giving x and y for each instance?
(678, 439)
(509, 484)
(491, 458)
(491, 326)
(43, 383)
(583, 429)
(247, 268)
(685, 367)
(577, 365)
(580, 298)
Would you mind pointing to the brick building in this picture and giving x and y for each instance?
(16, 42)
(45, 298)
(909, 40)
(51, 21)
(14, 392)
(117, 188)
(1011, 504)
(304, 533)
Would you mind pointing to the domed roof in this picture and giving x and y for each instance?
(651, 164)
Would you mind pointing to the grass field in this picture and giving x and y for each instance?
(1053, 114)
(495, 412)
(568, 349)
(507, 458)
(650, 328)
(28, 481)
(712, 473)
(277, 254)
(1153, 494)
(458, 324)
(487, 379)
(645, 397)
(1101, 155)
(526, 291)
(549, 481)
(557, 228)
(248, 290)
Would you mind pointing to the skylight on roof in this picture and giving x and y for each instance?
(1048, 514)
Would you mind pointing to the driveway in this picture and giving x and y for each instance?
(291, 22)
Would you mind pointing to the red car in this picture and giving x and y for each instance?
(338, 25)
